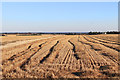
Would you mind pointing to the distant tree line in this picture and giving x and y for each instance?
(108, 32)
(94, 33)
(39, 33)
(61, 33)
(113, 32)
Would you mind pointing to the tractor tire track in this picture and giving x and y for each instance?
(114, 42)
(103, 44)
(72, 45)
(93, 55)
(110, 58)
(115, 60)
(20, 60)
(74, 50)
(16, 56)
(103, 41)
(50, 52)
(28, 59)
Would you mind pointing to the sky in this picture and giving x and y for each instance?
(59, 16)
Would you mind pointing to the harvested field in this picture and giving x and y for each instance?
(60, 56)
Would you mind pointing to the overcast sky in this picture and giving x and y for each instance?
(59, 16)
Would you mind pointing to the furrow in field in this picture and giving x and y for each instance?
(61, 50)
(79, 55)
(28, 59)
(104, 50)
(111, 46)
(100, 64)
(55, 52)
(17, 62)
(65, 57)
(24, 59)
(108, 38)
(103, 61)
(62, 55)
(19, 54)
(57, 57)
(43, 55)
(62, 67)
(50, 52)
(76, 48)
(93, 55)
(72, 45)
(15, 50)
(105, 40)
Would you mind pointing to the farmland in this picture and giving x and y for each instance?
(60, 56)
